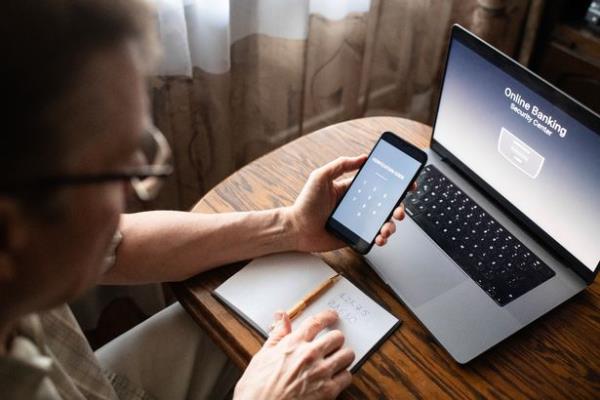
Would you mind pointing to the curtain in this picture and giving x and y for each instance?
(242, 77)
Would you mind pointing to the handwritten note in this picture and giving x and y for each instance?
(348, 308)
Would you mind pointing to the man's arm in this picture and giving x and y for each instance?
(162, 246)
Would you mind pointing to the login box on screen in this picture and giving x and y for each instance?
(519, 154)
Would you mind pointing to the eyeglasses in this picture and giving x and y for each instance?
(146, 179)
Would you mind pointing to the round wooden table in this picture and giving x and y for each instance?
(558, 356)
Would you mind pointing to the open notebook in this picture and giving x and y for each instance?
(279, 281)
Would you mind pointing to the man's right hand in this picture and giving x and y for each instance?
(293, 365)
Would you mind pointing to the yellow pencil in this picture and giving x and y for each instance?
(310, 297)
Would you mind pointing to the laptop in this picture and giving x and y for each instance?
(505, 224)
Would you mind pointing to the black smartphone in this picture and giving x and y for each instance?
(376, 190)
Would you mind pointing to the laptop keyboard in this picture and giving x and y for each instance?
(499, 263)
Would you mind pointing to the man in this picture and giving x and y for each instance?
(73, 81)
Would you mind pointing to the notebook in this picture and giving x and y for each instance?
(279, 281)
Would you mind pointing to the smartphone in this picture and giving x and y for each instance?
(376, 190)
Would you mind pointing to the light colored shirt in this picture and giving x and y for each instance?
(49, 358)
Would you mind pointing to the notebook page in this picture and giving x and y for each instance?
(279, 281)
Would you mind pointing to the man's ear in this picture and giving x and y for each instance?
(13, 236)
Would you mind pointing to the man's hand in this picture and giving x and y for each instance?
(294, 365)
(317, 200)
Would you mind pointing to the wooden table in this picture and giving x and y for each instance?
(558, 356)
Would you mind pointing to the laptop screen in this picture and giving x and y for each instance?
(540, 158)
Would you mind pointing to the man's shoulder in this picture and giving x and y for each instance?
(25, 379)
(25, 369)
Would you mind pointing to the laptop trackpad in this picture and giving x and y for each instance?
(414, 266)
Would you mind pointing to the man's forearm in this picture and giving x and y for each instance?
(170, 246)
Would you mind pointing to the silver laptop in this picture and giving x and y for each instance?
(505, 224)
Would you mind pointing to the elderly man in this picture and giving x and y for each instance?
(75, 120)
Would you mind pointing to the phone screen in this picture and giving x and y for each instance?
(376, 190)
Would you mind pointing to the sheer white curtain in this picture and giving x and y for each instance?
(199, 33)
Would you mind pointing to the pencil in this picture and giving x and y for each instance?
(310, 297)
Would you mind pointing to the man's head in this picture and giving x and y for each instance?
(72, 79)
